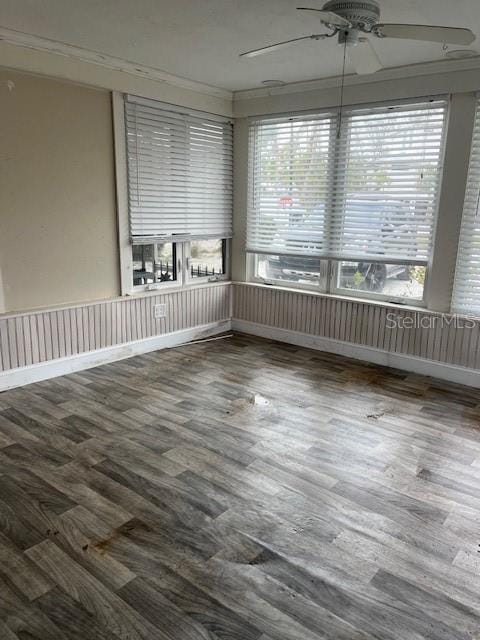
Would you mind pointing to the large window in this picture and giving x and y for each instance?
(179, 193)
(347, 203)
(466, 293)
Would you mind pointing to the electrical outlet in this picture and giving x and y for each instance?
(159, 310)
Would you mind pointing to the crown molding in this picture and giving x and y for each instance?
(392, 73)
(30, 41)
(37, 43)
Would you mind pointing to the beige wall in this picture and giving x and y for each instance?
(32, 58)
(57, 193)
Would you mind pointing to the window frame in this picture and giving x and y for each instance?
(181, 251)
(321, 287)
(373, 295)
(182, 248)
(226, 254)
(176, 249)
(329, 278)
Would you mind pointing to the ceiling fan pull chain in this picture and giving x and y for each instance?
(342, 88)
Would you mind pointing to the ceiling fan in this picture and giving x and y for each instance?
(350, 19)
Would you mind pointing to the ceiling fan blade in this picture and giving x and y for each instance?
(328, 17)
(364, 58)
(280, 45)
(449, 35)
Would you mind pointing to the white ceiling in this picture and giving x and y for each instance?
(201, 39)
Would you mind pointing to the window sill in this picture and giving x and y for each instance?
(335, 296)
(164, 290)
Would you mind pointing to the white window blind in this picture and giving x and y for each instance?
(290, 176)
(466, 292)
(365, 192)
(179, 173)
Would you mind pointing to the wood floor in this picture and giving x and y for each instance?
(240, 489)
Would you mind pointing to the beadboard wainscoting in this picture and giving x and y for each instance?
(410, 339)
(42, 344)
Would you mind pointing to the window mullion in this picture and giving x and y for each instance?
(337, 192)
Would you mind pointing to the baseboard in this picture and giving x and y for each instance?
(62, 366)
(413, 364)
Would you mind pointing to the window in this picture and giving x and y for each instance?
(356, 190)
(153, 263)
(207, 258)
(298, 271)
(466, 291)
(179, 182)
(393, 281)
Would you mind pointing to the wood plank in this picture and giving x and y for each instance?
(239, 489)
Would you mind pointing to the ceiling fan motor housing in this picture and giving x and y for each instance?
(362, 15)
